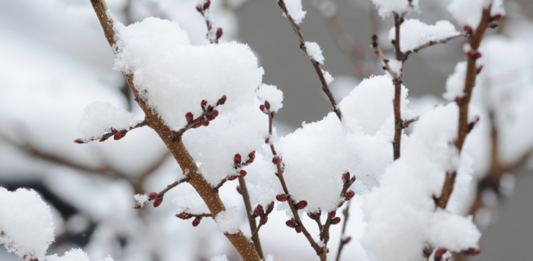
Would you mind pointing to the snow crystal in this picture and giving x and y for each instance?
(452, 232)
(229, 221)
(314, 51)
(294, 7)
(141, 199)
(271, 94)
(219, 258)
(100, 118)
(387, 7)
(415, 33)
(468, 12)
(73, 255)
(455, 84)
(26, 223)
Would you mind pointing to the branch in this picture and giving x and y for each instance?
(117, 134)
(432, 43)
(324, 235)
(212, 35)
(343, 240)
(408, 122)
(380, 54)
(251, 220)
(316, 65)
(178, 150)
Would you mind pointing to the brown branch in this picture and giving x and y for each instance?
(119, 134)
(344, 241)
(324, 235)
(316, 65)
(209, 114)
(474, 40)
(398, 122)
(408, 122)
(251, 220)
(205, 11)
(178, 150)
(380, 54)
(432, 43)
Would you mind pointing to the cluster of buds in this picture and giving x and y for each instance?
(473, 54)
(202, 8)
(334, 219)
(209, 114)
(197, 218)
(238, 164)
(259, 211)
(205, 6)
(265, 108)
(153, 196)
(292, 224)
(314, 215)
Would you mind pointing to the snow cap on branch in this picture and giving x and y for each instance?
(271, 94)
(452, 231)
(314, 51)
(294, 7)
(469, 13)
(100, 118)
(387, 7)
(455, 84)
(415, 33)
(26, 223)
(229, 221)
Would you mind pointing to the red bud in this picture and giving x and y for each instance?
(207, 4)
(215, 113)
(281, 197)
(270, 207)
(267, 105)
(252, 155)
(152, 195)
(137, 206)
(458, 100)
(478, 55)
(196, 221)
(267, 140)
(276, 160)
(291, 223)
(199, 124)
(468, 28)
(184, 215)
(219, 33)
(301, 205)
(346, 177)
(314, 215)
(239, 190)
(347, 240)
(79, 141)
(497, 17)
(262, 108)
(440, 252)
(243, 173)
(222, 100)
(205, 122)
(199, 8)
(327, 250)
(479, 69)
(189, 116)
(119, 135)
(332, 214)
(158, 201)
(233, 177)
(336, 221)
(470, 54)
(298, 229)
(237, 159)
(203, 104)
(349, 194)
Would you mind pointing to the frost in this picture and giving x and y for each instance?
(219, 258)
(141, 199)
(294, 7)
(271, 94)
(455, 84)
(415, 33)
(314, 51)
(26, 223)
(387, 7)
(101, 118)
(229, 221)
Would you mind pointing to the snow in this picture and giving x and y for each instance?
(271, 94)
(141, 199)
(455, 84)
(26, 223)
(294, 7)
(387, 7)
(101, 118)
(453, 232)
(314, 52)
(327, 76)
(414, 33)
(219, 258)
(189, 201)
(269, 258)
(468, 12)
(75, 254)
(396, 67)
(229, 221)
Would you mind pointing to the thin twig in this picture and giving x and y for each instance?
(342, 242)
(206, 13)
(113, 132)
(316, 65)
(432, 43)
(324, 235)
(408, 122)
(251, 220)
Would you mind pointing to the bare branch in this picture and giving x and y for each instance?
(343, 240)
(432, 43)
(117, 134)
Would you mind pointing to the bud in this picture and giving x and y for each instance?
(346, 240)
(298, 229)
(471, 251)
(152, 195)
(239, 190)
(119, 135)
(349, 195)
(281, 197)
(203, 104)
(158, 201)
(332, 214)
(327, 250)
(215, 113)
(196, 221)
(458, 100)
(440, 252)
(233, 177)
(301, 205)
(199, 124)
(137, 206)
(468, 28)
(267, 105)
(210, 117)
(314, 215)
(451, 174)
(470, 54)
(237, 159)
(219, 32)
(243, 173)
(258, 211)
(252, 155)
(207, 4)
(222, 100)
(189, 116)
(478, 55)
(267, 140)
(205, 122)
(262, 108)
(270, 207)
(184, 215)
(497, 17)
(336, 221)
(263, 220)
(291, 223)
(346, 177)
(479, 69)
(79, 141)
(276, 160)
(199, 8)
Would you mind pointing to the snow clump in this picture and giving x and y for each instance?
(314, 51)
(415, 33)
(294, 7)
(229, 221)
(387, 7)
(101, 118)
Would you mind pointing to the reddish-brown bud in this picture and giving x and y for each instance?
(440, 252)
(470, 54)
(210, 117)
(219, 32)
(196, 221)
(468, 28)
(243, 173)
(458, 100)
(79, 141)
(298, 229)
(281, 197)
(119, 135)
(189, 116)
(346, 177)
(332, 214)
(262, 108)
(497, 17)
(270, 207)
(199, 124)
(215, 113)
(203, 104)
(239, 190)
(267, 105)
(479, 69)
(336, 221)
(207, 4)
(259, 210)
(472, 251)
(346, 240)
(158, 201)
(251, 155)
(222, 100)
(205, 122)
(152, 195)
(291, 223)
(276, 160)
(301, 205)
(199, 8)
(233, 177)
(184, 215)
(237, 159)
(349, 195)
(267, 140)
(263, 220)
(314, 215)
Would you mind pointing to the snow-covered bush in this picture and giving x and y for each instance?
(403, 169)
